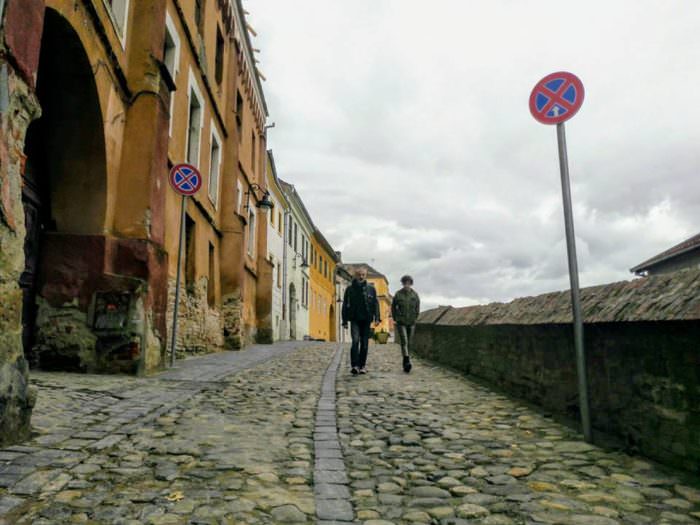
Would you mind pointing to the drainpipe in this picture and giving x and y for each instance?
(285, 256)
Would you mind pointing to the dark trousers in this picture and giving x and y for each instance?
(406, 337)
(359, 330)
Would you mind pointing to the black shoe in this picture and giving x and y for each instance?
(354, 370)
(407, 364)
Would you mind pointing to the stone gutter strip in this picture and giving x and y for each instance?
(331, 490)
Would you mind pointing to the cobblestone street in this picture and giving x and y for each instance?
(271, 435)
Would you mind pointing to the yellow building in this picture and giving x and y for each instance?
(381, 285)
(322, 303)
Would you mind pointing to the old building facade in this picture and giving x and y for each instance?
(322, 307)
(99, 98)
(300, 230)
(277, 250)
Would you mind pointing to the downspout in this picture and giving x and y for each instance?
(285, 256)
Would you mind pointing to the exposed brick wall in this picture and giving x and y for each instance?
(643, 373)
(200, 327)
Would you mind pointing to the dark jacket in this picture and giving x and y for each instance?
(405, 307)
(360, 302)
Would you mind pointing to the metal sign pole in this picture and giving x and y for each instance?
(177, 281)
(573, 278)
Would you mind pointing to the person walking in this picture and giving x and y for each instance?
(405, 308)
(361, 309)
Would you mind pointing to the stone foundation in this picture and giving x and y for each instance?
(200, 328)
(232, 313)
(69, 339)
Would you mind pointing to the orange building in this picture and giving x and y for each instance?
(322, 305)
(113, 93)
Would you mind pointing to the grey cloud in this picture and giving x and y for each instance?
(406, 130)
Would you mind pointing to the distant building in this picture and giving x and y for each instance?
(322, 313)
(381, 284)
(276, 250)
(300, 229)
(343, 279)
(679, 257)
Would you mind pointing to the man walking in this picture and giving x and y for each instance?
(405, 309)
(361, 309)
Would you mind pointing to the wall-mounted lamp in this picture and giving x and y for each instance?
(265, 203)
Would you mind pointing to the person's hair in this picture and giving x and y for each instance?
(406, 279)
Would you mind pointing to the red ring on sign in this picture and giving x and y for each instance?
(550, 105)
(185, 179)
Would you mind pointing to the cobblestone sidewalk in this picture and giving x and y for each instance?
(200, 444)
(434, 448)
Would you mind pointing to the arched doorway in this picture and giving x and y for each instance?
(292, 312)
(64, 182)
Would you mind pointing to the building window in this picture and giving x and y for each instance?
(214, 165)
(211, 289)
(219, 59)
(279, 222)
(296, 239)
(189, 253)
(252, 152)
(272, 220)
(119, 9)
(239, 202)
(239, 115)
(279, 276)
(171, 47)
(194, 123)
(251, 232)
(199, 6)
(290, 234)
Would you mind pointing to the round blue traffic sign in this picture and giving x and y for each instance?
(185, 179)
(556, 98)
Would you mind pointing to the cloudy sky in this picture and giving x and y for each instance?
(405, 126)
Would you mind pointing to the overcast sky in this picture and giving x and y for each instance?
(404, 125)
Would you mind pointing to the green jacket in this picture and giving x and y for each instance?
(405, 307)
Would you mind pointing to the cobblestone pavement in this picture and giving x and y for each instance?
(434, 448)
(198, 444)
(251, 438)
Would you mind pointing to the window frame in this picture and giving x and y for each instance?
(250, 249)
(120, 31)
(193, 89)
(175, 37)
(214, 136)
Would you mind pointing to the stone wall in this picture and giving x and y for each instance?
(641, 339)
(232, 313)
(18, 107)
(200, 328)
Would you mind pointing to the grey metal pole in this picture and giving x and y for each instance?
(177, 281)
(573, 278)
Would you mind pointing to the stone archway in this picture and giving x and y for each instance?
(64, 189)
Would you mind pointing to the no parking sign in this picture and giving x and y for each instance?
(554, 100)
(186, 180)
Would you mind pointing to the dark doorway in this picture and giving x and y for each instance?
(64, 181)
